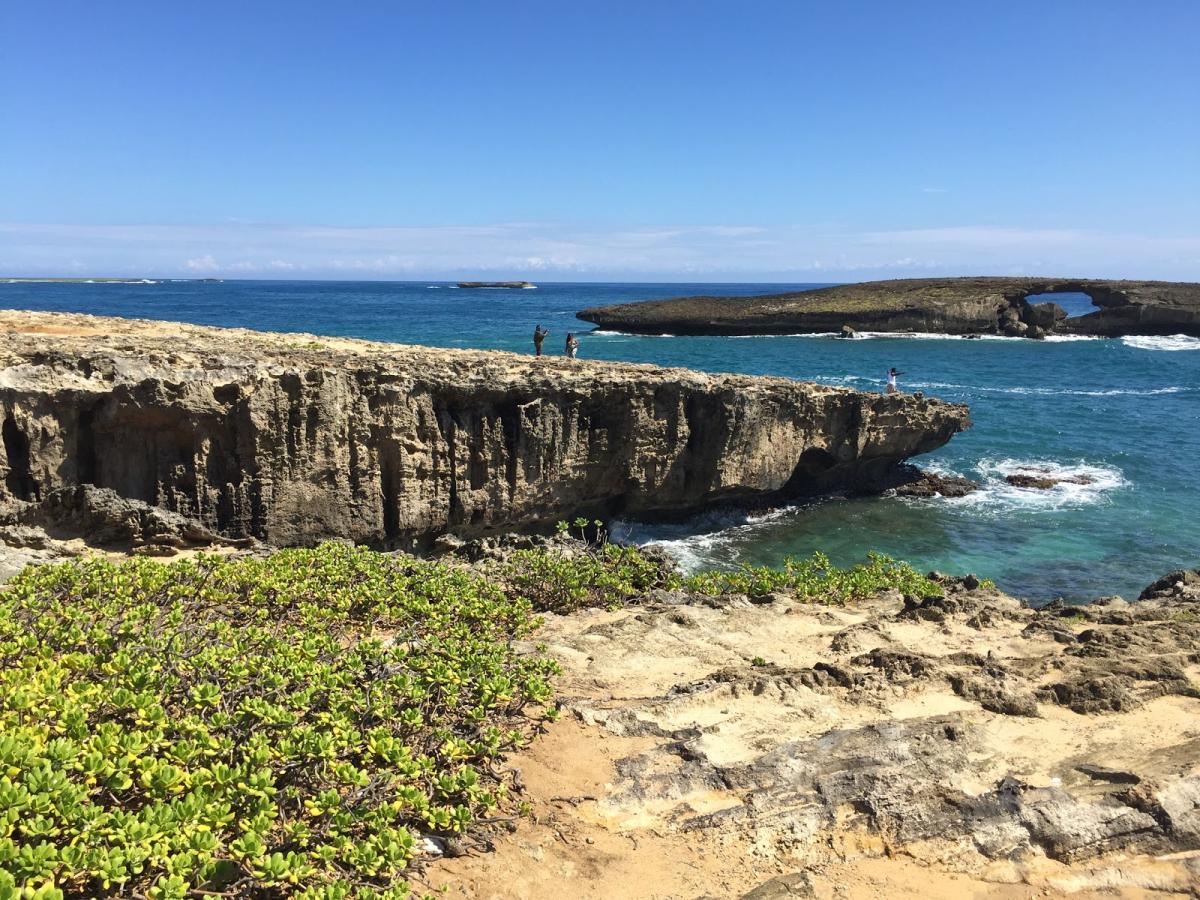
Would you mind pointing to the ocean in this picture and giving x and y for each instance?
(1122, 413)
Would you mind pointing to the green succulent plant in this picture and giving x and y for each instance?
(279, 727)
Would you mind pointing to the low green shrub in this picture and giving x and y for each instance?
(595, 572)
(599, 575)
(817, 580)
(264, 728)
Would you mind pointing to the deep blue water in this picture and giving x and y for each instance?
(1125, 413)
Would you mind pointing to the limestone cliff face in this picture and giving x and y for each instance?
(294, 438)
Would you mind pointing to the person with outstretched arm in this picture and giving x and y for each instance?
(539, 335)
(891, 380)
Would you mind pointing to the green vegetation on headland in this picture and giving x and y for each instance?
(298, 725)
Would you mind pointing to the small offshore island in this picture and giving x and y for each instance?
(209, 690)
(497, 284)
(964, 306)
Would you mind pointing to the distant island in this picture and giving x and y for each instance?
(496, 284)
(964, 306)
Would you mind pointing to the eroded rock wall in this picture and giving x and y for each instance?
(293, 438)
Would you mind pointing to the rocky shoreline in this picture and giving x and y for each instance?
(293, 439)
(963, 306)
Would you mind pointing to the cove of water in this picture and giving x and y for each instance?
(1124, 414)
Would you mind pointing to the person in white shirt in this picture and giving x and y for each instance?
(891, 380)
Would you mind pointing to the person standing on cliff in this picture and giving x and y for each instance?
(572, 345)
(539, 335)
(891, 384)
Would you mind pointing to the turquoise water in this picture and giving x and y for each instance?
(1124, 413)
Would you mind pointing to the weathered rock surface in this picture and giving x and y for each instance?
(1044, 481)
(909, 481)
(1060, 747)
(294, 438)
(964, 306)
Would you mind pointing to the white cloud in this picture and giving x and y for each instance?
(517, 249)
(204, 263)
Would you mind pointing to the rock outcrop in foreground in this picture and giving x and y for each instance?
(295, 438)
(941, 305)
(725, 740)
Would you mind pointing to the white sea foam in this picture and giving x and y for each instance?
(876, 335)
(1048, 392)
(1170, 342)
(600, 332)
(700, 542)
(1082, 484)
(932, 336)
(879, 336)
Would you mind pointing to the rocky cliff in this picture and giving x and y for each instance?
(945, 305)
(294, 438)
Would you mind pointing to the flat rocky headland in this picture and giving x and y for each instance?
(941, 305)
(959, 746)
(292, 439)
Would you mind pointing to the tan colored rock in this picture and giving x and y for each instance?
(967, 733)
(295, 438)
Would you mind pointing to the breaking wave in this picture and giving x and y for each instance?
(1170, 342)
(1050, 392)
(599, 332)
(1079, 484)
(710, 539)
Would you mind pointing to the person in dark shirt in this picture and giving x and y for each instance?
(539, 335)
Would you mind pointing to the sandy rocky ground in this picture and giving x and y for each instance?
(965, 746)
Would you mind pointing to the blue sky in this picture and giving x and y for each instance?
(594, 141)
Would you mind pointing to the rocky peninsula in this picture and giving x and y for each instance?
(292, 439)
(966, 306)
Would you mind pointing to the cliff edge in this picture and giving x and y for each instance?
(297, 438)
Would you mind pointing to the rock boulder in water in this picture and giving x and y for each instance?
(1045, 482)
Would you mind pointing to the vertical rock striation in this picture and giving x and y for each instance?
(294, 438)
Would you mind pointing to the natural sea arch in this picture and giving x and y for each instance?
(1075, 303)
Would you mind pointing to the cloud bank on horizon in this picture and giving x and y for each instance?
(559, 252)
